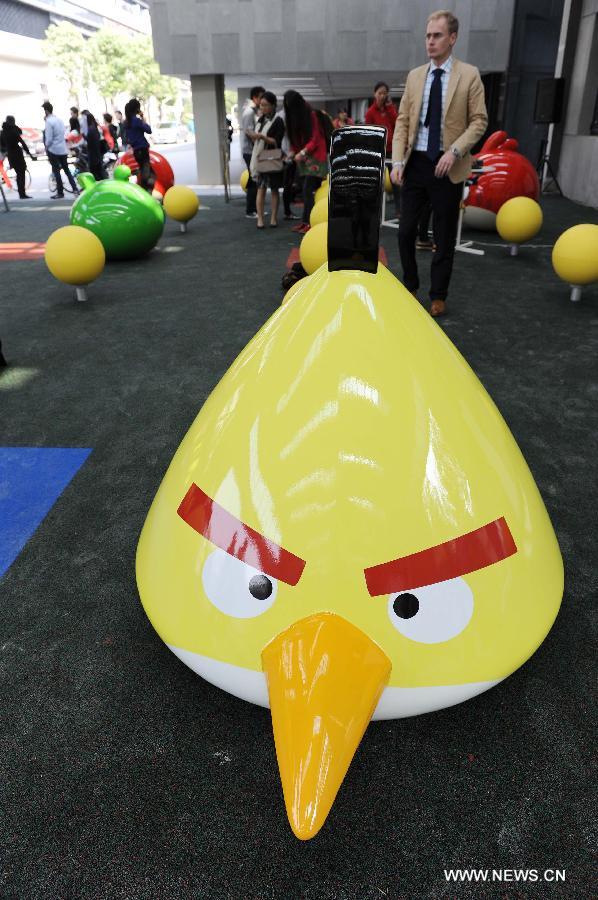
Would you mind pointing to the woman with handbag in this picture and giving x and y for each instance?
(309, 134)
(266, 166)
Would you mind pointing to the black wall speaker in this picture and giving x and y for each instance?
(549, 100)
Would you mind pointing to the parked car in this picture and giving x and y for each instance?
(33, 137)
(170, 133)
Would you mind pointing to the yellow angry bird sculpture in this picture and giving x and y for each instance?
(348, 531)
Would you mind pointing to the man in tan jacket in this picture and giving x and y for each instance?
(442, 115)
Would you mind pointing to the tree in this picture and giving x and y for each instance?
(112, 62)
(144, 77)
(187, 115)
(231, 98)
(166, 91)
(107, 63)
(64, 48)
(144, 72)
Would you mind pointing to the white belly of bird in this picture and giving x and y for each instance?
(395, 702)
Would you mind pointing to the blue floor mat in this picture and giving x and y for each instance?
(31, 480)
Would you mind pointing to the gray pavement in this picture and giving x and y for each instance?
(180, 156)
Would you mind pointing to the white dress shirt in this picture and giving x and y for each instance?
(422, 134)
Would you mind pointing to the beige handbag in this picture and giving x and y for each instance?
(269, 160)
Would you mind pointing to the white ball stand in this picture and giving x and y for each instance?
(575, 293)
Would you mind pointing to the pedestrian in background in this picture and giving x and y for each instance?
(95, 153)
(442, 115)
(248, 123)
(74, 120)
(342, 118)
(290, 187)
(309, 134)
(383, 112)
(136, 136)
(56, 150)
(110, 133)
(83, 121)
(122, 128)
(268, 134)
(12, 146)
(75, 141)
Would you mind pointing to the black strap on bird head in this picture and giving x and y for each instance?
(355, 197)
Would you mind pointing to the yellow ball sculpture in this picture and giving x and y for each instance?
(387, 181)
(518, 220)
(575, 257)
(181, 204)
(313, 251)
(244, 179)
(75, 256)
(322, 192)
(319, 213)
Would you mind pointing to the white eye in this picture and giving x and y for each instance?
(235, 588)
(432, 614)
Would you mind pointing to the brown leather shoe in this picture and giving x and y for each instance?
(438, 308)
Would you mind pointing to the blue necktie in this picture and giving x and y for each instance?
(434, 116)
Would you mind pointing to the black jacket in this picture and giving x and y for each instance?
(11, 141)
(94, 146)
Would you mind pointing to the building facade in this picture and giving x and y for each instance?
(575, 146)
(333, 51)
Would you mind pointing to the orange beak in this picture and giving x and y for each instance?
(325, 678)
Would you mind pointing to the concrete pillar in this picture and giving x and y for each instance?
(578, 161)
(207, 93)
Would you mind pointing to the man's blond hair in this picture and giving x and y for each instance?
(451, 19)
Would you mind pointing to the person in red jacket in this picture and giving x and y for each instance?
(383, 112)
(343, 118)
(309, 133)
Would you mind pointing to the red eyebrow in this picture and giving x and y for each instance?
(475, 550)
(227, 532)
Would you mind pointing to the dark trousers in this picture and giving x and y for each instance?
(59, 162)
(288, 188)
(20, 168)
(419, 187)
(96, 167)
(147, 177)
(311, 183)
(423, 223)
(250, 207)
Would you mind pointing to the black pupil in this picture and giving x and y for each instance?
(406, 606)
(260, 587)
